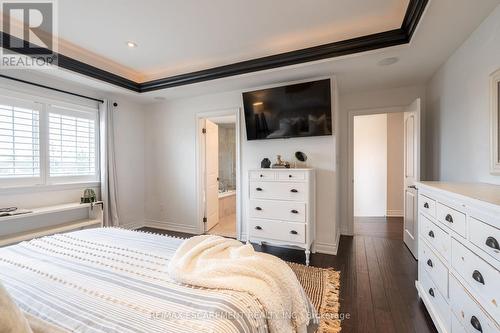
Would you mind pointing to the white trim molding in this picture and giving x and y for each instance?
(494, 120)
(177, 227)
(327, 248)
(395, 213)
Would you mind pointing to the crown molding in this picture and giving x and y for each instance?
(381, 40)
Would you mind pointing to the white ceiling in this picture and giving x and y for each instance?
(446, 24)
(180, 36)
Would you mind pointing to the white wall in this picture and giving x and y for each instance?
(458, 108)
(370, 165)
(395, 164)
(129, 153)
(170, 164)
(384, 98)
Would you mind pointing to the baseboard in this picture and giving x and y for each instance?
(132, 226)
(395, 213)
(188, 229)
(328, 248)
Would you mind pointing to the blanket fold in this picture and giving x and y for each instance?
(220, 263)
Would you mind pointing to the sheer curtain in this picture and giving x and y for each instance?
(109, 191)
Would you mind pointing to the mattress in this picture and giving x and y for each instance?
(115, 280)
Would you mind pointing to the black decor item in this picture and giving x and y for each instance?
(265, 163)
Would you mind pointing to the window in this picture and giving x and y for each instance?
(72, 143)
(44, 143)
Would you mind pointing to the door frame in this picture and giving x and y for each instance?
(200, 166)
(350, 159)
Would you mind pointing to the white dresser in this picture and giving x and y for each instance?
(459, 255)
(281, 207)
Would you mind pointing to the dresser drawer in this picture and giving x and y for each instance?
(456, 326)
(279, 190)
(262, 175)
(452, 218)
(437, 237)
(437, 300)
(481, 276)
(485, 237)
(278, 230)
(438, 272)
(427, 205)
(468, 312)
(278, 210)
(292, 175)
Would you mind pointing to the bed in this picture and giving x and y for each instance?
(114, 280)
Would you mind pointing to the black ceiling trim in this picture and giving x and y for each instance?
(71, 64)
(413, 14)
(385, 39)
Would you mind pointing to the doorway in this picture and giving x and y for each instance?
(384, 163)
(218, 169)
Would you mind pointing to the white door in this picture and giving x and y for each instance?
(412, 175)
(211, 174)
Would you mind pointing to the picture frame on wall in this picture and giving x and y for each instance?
(495, 122)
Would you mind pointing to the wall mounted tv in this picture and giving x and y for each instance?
(297, 110)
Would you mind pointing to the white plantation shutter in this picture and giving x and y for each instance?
(72, 143)
(19, 140)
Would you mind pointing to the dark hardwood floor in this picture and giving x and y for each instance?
(378, 273)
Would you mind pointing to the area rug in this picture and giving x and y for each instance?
(322, 286)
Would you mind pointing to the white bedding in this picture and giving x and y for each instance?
(115, 280)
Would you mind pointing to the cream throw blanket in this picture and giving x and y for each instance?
(221, 263)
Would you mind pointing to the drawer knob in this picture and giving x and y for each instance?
(449, 218)
(476, 324)
(258, 208)
(431, 292)
(493, 243)
(258, 189)
(294, 211)
(293, 232)
(429, 262)
(293, 190)
(261, 176)
(426, 205)
(476, 275)
(258, 227)
(290, 176)
(431, 234)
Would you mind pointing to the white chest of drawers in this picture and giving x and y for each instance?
(459, 255)
(281, 207)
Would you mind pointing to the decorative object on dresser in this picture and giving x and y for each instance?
(302, 158)
(459, 255)
(265, 163)
(495, 121)
(281, 207)
(280, 164)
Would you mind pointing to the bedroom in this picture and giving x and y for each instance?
(135, 78)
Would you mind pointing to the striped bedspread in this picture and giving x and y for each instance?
(115, 280)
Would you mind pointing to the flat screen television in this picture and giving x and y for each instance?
(297, 110)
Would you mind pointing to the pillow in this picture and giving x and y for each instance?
(317, 125)
(12, 319)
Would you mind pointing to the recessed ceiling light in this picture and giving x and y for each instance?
(131, 44)
(257, 103)
(388, 61)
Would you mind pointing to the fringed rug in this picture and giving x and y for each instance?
(322, 286)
